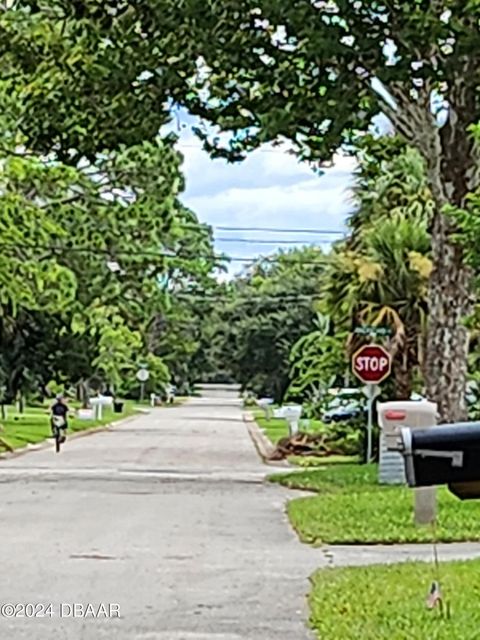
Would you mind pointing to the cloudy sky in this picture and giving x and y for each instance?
(269, 189)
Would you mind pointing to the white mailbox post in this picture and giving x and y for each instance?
(266, 405)
(392, 417)
(97, 407)
(292, 414)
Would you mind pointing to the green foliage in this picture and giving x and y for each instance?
(301, 71)
(261, 315)
(347, 437)
(159, 373)
(54, 388)
(380, 602)
(118, 347)
(85, 263)
(86, 88)
(380, 274)
(318, 360)
(352, 508)
(391, 180)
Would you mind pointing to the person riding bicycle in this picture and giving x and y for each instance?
(60, 409)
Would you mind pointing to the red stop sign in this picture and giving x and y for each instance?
(372, 364)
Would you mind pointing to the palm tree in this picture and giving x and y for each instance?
(385, 283)
(379, 275)
(390, 180)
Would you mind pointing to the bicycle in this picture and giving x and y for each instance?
(59, 427)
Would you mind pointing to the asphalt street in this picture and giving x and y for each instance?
(166, 520)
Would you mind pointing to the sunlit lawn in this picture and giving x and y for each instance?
(351, 508)
(389, 602)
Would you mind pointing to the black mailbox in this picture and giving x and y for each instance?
(445, 454)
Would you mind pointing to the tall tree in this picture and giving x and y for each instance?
(384, 282)
(379, 275)
(263, 313)
(105, 246)
(86, 76)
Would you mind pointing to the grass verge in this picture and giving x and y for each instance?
(307, 462)
(351, 508)
(389, 602)
(275, 429)
(33, 426)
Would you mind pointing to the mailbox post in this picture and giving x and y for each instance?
(265, 405)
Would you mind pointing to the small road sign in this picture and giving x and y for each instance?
(372, 364)
(143, 375)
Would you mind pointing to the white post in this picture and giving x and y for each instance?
(371, 391)
(293, 427)
(425, 505)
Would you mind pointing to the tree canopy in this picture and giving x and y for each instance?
(81, 79)
(93, 256)
(257, 318)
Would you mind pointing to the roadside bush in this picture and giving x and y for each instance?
(344, 437)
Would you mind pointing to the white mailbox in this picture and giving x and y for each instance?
(395, 415)
(98, 403)
(392, 417)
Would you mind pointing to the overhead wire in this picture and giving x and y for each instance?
(281, 230)
(248, 299)
(284, 258)
(273, 241)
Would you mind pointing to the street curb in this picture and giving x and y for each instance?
(46, 444)
(262, 444)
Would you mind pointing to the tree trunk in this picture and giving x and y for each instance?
(447, 339)
(403, 378)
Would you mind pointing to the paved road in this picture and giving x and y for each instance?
(169, 518)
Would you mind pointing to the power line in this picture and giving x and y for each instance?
(113, 253)
(281, 230)
(273, 241)
(257, 298)
(326, 232)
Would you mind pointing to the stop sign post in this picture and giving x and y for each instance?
(372, 364)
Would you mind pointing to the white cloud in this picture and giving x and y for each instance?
(271, 188)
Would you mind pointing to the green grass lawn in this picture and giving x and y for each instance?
(351, 508)
(307, 462)
(389, 603)
(275, 429)
(33, 426)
